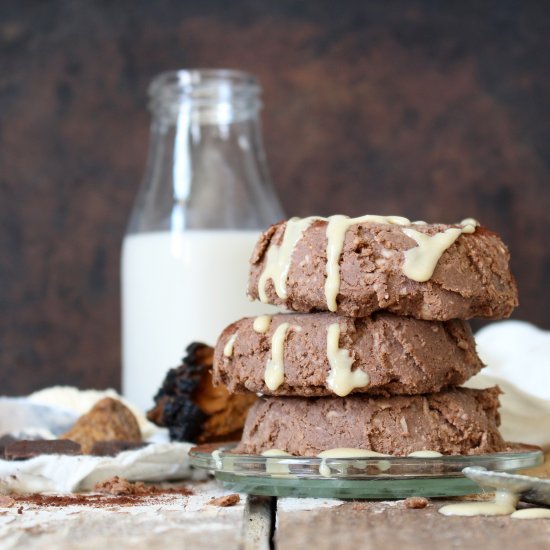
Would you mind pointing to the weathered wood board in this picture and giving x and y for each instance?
(189, 522)
(169, 521)
(389, 525)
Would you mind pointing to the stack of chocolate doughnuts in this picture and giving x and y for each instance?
(380, 342)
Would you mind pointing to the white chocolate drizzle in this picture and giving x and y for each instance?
(272, 466)
(279, 257)
(228, 348)
(420, 261)
(345, 452)
(261, 324)
(352, 452)
(503, 505)
(275, 452)
(274, 374)
(349, 452)
(531, 513)
(424, 454)
(216, 455)
(341, 452)
(342, 380)
(469, 225)
(336, 232)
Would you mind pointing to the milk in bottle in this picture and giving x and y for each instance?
(205, 198)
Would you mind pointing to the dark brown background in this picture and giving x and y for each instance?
(432, 110)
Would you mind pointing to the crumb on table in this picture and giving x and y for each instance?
(416, 502)
(226, 500)
(6, 501)
(120, 486)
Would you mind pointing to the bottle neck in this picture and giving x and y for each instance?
(207, 154)
(204, 97)
(206, 166)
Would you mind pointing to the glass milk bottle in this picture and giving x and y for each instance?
(204, 200)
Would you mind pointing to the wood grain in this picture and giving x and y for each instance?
(389, 525)
(171, 522)
(190, 522)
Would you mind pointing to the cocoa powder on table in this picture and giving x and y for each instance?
(112, 492)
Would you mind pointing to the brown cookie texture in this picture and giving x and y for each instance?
(459, 421)
(108, 420)
(471, 279)
(401, 355)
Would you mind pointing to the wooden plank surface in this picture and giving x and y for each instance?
(189, 522)
(256, 533)
(169, 521)
(389, 525)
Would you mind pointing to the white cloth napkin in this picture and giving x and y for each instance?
(65, 474)
(51, 412)
(517, 355)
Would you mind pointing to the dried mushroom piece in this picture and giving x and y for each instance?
(192, 408)
(108, 420)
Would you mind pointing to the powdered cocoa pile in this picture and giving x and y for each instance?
(116, 491)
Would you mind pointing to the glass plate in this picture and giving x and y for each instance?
(373, 477)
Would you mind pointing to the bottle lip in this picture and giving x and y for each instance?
(204, 86)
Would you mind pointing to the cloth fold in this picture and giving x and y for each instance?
(517, 355)
(51, 412)
(66, 474)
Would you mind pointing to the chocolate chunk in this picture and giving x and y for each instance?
(112, 448)
(21, 450)
(4, 441)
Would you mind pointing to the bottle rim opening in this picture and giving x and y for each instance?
(204, 86)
